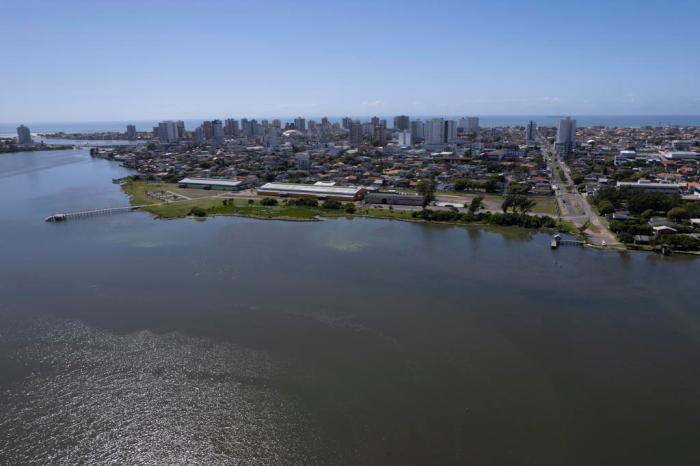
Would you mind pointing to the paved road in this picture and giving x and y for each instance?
(573, 206)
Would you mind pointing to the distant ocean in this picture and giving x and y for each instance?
(628, 121)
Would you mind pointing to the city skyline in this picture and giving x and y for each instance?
(106, 62)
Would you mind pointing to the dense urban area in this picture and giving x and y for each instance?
(614, 187)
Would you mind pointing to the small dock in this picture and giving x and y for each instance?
(558, 241)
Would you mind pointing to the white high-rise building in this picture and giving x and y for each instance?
(566, 136)
(434, 131)
(167, 131)
(472, 125)
(24, 135)
(439, 131)
(566, 132)
(404, 139)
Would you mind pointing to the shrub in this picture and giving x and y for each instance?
(198, 212)
(268, 201)
(331, 204)
(304, 202)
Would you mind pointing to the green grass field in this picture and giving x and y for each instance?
(213, 204)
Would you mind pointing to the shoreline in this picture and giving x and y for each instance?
(215, 205)
(212, 206)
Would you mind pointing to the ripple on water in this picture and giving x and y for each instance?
(92, 397)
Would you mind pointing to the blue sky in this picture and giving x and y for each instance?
(121, 60)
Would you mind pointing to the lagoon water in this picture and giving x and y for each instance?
(129, 340)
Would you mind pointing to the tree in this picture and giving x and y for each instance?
(268, 201)
(577, 177)
(350, 208)
(525, 204)
(476, 204)
(677, 214)
(606, 207)
(519, 188)
(426, 188)
(460, 184)
(517, 202)
(331, 204)
(491, 185)
(507, 203)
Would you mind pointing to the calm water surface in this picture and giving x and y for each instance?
(129, 340)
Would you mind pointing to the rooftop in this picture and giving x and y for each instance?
(210, 182)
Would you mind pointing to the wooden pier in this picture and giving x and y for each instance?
(62, 217)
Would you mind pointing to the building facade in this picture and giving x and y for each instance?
(24, 135)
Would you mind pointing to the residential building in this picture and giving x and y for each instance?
(434, 131)
(531, 132)
(24, 135)
(379, 136)
(217, 132)
(167, 131)
(231, 128)
(356, 133)
(566, 136)
(131, 132)
(404, 139)
(303, 161)
(417, 130)
(402, 123)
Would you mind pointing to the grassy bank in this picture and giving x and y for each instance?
(212, 203)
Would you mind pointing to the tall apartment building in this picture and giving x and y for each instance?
(404, 139)
(566, 136)
(167, 131)
(531, 132)
(217, 132)
(379, 136)
(231, 128)
(356, 133)
(24, 135)
(402, 123)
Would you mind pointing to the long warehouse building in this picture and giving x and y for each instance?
(336, 193)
